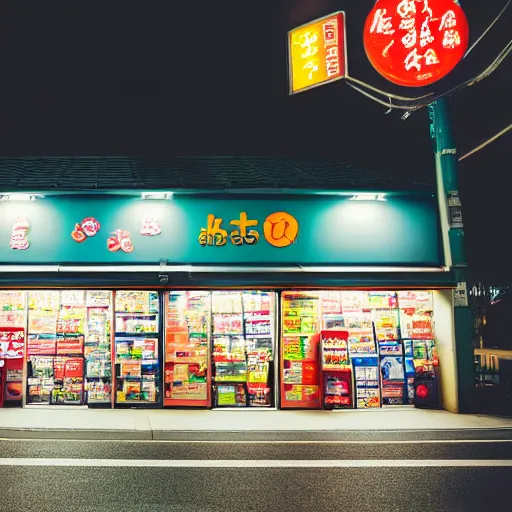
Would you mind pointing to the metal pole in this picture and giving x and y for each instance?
(452, 228)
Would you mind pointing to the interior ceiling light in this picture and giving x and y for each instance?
(368, 197)
(21, 197)
(157, 195)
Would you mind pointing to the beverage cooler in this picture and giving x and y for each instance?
(98, 348)
(137, 348)
(300, 364)
(336, 370)
(187, 372)
(242, 338)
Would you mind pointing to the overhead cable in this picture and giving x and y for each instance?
(487, 142)
(412, 108)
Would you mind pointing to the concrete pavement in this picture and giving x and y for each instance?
(83, 423)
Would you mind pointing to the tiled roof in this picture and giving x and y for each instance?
(209, 173)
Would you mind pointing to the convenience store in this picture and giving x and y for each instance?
(280, 299)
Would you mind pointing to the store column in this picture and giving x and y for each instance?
(452, 228)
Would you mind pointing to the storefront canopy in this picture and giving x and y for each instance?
(197, 173)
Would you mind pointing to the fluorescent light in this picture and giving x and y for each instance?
(215, 269)
(157, 195)
(340, 269)
(368, 197)
(21, 197)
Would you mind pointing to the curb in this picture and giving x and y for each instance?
(355, 436)
(77, 435)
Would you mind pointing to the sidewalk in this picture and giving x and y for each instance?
(83, 423)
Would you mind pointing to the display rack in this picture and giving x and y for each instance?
(137, 348)
(55, 347)
(97, 349)
(336, 370)
(384, 307)
(243, 349)
(416, 310)
(187, 378)
(300, 372)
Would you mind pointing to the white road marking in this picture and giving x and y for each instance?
(153, 463)
(254, 441)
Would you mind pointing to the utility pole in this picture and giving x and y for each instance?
(452, 229)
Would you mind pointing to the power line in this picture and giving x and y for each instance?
(412, 108)
(484, 33)
(487, 142)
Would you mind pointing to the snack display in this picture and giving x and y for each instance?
(300, 384)
(187, 373)
(55, 348)
(368, 360)
(97, 349)
(243, 348)
(417, 330)
(336, 369)
(137, 347)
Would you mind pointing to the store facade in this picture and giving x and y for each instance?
(270, 299)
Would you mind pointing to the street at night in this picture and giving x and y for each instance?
(254, 256)
(443, 472)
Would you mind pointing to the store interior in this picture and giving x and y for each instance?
(241, 349)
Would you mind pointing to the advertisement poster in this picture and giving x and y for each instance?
(72, 297)
(38, 345)
(12, 342)
(70, 345)
(74, 367)
(98, 298)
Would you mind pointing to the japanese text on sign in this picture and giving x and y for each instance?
(317, 52)
(415, 42)
(280, 229)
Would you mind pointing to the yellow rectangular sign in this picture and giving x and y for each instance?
(317, 52)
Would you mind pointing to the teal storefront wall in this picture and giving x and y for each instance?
(333, 230)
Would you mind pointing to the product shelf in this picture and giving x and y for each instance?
(150, 334)
(124, 313)
(238, 380)
(186, 360)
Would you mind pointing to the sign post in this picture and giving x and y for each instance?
(450, 209)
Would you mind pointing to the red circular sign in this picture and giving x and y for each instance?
(415, 42)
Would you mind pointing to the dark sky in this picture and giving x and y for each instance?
(192, 77)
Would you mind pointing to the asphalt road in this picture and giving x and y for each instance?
(436, 474)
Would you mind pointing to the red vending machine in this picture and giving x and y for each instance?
(12, 346)
(336, 370)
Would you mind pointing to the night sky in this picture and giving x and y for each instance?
(152, 78)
